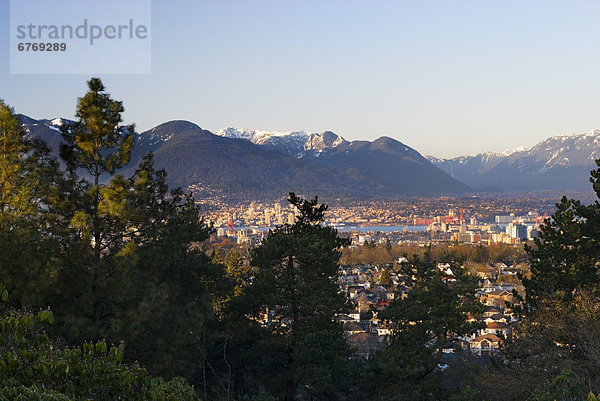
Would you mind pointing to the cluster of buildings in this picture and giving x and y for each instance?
(507, 229)
(401, 212)
(399, 222)
(256, 215)
(369, 293)
(372, 287)
(250, 225)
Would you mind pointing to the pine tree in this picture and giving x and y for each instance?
(13, 151)
(132, 268)
(385, 278)
(96, 268)
(170, 281)
(566, 256)
(30, 226)
(433, 312)
(99, 145)
(553, 353)
(296, 295)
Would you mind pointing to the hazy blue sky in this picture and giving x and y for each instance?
(444, 77)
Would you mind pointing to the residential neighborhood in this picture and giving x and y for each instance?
(367, 333)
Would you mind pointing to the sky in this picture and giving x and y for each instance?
(447, 78)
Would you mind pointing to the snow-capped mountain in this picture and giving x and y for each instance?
(293, 143)
(469, 168)
(384, 166)
(30, 124)
(47, 130)
(152, 138)
(509, 152)
(397, 167)
(261, 137)
(559, 162)
(252, 161)
(568, 150)
(249, 163)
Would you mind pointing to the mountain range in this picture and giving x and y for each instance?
(561, 162)
(240, 164)
(246, 163)
(400, 169)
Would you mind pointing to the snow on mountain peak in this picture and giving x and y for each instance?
(575, 136)
(509, 152)
(57, 122)
(295, 143)
(230, 132)
(259, 137)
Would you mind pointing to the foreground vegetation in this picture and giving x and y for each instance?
(108, 293)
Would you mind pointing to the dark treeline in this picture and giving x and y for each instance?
(109, 293)
(479, 254)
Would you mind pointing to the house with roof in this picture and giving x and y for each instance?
(471, 318)
(354, 314)
(366, 344)
(353, 290)
(362, 302)
(343, 318)
(454, 344)
(381, 293)
(485, 344)
(498, 317)
(501, 329)
(510, 271)
(351, 328)
(498, 298)
(490, 310)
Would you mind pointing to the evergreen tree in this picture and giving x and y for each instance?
(98, 143)
(388, 246)
(295, 296)
(30, 224)
(132, 271)
(93, 280)
(566, 256)
(385, 278)
(433, 313)
(170, 282)
(553, 354)
(13, 152)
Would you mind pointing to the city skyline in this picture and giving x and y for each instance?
(445, 79)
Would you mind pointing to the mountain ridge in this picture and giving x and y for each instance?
(235, 167)
(560, 162)
(397, 166)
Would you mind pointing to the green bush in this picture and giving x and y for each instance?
(33, 393)
(34, 368)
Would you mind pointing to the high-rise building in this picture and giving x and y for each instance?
(505, 219)
(517, 230)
